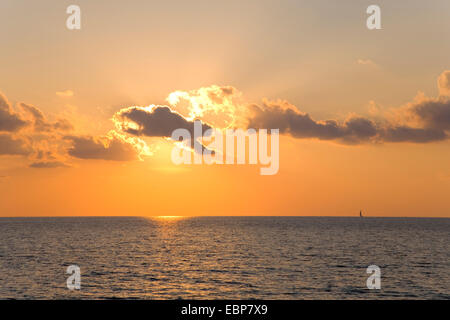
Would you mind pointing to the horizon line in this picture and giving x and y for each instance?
(228, 216)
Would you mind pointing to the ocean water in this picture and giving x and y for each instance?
(225, 258)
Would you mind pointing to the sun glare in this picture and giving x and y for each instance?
(169, 217)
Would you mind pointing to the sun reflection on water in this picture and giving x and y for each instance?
(168, 218)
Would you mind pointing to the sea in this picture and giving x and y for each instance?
(224, 258)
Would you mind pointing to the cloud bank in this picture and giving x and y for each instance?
(51, 144)
(13, 146)
(109, 147)
(9, 120)
(432, 115)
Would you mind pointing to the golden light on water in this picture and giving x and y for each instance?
(168, 218)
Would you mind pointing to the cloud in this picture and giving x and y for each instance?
(430, 117)
(444, 83)
(409, 134)
(153, 121)
(422, 121)
(45, 138)
(48, 164)
(356, 129)
(110, 147)
(219, 106)
(366, 62)
(432, 113)
(9, 120)
(157, 121)
(13, 146)
(41, 124)
(65, 93)
(273, 115)
(47, 145)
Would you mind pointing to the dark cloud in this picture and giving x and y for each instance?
(9, 120)
(62, 125)
(44, 154)
(301, 125)
(435, 116)
(159, 122)
(228, 90)
(41, 124)
(288, 121)
(433, 113)
(48, 164)
(13, 146)
(106, 148)
(408, 134)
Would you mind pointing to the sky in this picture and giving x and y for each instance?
(86, 115)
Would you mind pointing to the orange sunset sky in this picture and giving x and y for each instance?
(364, 115)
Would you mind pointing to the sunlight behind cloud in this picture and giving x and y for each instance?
(220, 106)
